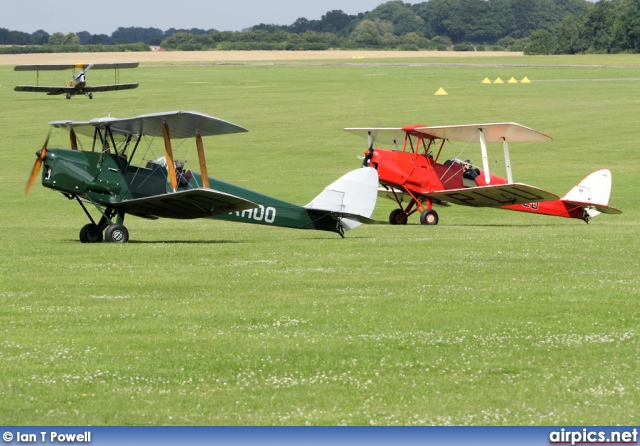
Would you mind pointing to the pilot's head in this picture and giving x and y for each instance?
(179, 165)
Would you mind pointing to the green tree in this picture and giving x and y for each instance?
(525, 17)
(177, 40)
(40, 37)
(335, 22)
(402, 16)
(626, 27)
(151, 36)
(299, 26)
(566, 35)
(595, 31)
(541, 41)
(503, 19)
(61, 39)
(464, 20)
(371, 33)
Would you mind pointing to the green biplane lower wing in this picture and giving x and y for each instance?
(186, 204)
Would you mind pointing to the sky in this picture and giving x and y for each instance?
(104, 17)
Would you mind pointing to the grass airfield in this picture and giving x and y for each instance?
(490, 318)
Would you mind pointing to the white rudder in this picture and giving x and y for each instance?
(354, 194)
(594, 190)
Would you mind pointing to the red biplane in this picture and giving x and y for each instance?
(416, 175)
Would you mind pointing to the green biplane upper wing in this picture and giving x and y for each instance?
(182, 124)
(186, 204)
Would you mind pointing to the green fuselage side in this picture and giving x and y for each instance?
(107, 179)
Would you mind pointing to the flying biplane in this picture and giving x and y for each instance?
(106, 176)
(78, 83)
(416, 173)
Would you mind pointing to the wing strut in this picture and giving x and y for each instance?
(203, 162)
(485, 158)
(74, 140)
(507, 160)
(169, 152)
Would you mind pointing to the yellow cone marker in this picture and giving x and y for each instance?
(525, 80)
(513, 81)
(498, 81)
(486, 80)
(441, 92)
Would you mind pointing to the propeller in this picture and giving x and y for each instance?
(42, 154)
(369, 153)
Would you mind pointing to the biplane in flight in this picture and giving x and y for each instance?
(117, 176)
(78, 83)
(415, 176)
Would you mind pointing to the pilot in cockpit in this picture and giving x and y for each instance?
(181, 175)
(468, 171)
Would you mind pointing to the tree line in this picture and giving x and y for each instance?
(604, 27)
(533, 26)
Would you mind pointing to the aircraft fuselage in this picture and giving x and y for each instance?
(108, 179)
(422, 175)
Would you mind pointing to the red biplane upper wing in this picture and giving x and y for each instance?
(495, 132)
(494, 195)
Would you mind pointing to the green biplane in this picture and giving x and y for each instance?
(117, 177)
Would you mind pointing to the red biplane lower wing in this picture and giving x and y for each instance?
(186, 204)
(494, 195)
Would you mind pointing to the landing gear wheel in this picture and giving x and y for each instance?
(398, 217)
(90, 96)
(116, 233)
(429, 217)
(90, 234)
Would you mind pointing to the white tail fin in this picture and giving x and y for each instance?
(594, 191)
(354, 194)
